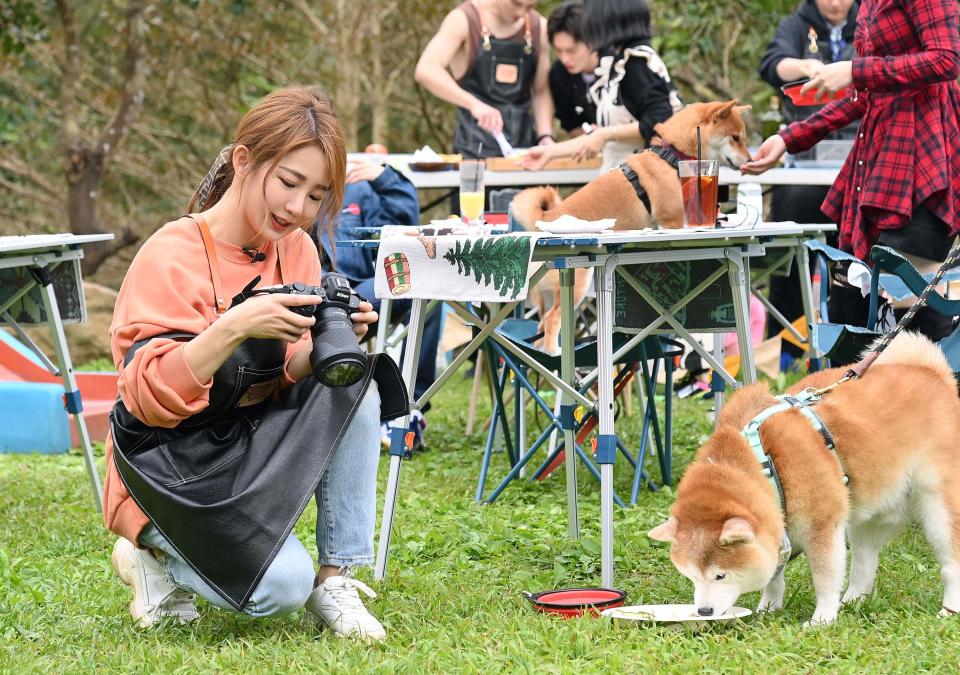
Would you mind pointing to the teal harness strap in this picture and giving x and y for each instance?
(751, 432)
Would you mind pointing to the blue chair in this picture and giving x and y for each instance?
(843, 343)
(523, 333)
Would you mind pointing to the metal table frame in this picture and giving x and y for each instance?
(606, 254)
(40, 258)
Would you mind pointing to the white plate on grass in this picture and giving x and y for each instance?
(567, 224)
(671, 614)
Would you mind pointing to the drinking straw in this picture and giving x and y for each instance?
(699, 186)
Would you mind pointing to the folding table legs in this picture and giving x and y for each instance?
(71, 391)
(806, 294)
(739, 284)
(398, 449)
(568, 375)
(607, 439)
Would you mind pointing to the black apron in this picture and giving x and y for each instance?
(226, 486)
(501, 76)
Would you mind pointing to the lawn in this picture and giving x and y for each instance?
(452, 600)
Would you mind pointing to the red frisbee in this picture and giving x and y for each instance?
(571, 602)
(792, 91)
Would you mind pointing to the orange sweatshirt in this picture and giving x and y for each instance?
(168, 289)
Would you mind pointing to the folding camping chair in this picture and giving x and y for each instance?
(523, 333)
(899, 279)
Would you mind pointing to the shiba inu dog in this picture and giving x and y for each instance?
(896, 433)
(617, 193)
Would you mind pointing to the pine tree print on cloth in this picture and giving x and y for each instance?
(501, 261)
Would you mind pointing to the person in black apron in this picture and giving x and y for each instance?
(221, 433)
(489, 59)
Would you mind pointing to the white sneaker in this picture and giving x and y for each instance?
(336, 603)
(155, 595)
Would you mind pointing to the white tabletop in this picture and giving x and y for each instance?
(451, 179)
(684, 235)
(47, 242)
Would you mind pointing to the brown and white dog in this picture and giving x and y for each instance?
(611, 195)
(896, 433)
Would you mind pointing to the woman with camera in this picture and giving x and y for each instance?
(224, 427)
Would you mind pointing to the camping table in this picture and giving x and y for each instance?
(43, 267)
(608, 255)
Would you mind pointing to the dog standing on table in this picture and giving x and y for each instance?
(726, 527)
(614, 195)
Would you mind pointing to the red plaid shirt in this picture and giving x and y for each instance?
(908, 149)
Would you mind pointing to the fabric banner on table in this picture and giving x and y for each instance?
(492, 268)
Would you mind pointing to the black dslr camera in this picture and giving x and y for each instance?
(336, 357)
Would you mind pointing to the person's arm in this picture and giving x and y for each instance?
(804, 134)
(433, 71)
(542, 102)
(782, 61)
(646, 96)
(936, 25)
(398, 199)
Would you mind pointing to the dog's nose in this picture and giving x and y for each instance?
(705, 611)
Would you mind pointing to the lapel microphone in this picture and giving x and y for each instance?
(254, 255)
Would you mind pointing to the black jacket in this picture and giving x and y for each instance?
(571, 100)
(792, 40)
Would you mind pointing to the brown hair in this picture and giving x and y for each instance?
(282, 122)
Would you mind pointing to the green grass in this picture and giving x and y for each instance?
(452, 601)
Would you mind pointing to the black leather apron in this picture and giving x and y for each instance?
(226, 486)
(501, 76)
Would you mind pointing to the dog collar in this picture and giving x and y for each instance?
(802, 402)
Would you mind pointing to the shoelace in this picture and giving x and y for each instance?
(346, 595)
(173, 602)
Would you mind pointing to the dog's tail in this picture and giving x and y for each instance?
(529, 206)
(915, 349)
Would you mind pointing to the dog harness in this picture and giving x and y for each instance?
(664, 152)
(802, 402)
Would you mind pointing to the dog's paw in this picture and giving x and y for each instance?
(853, 597)
(819, 620)
(946, 611)
(770, 606)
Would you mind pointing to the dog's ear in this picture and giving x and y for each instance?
(665, 531)
(736, 531)
(724, 111)
(740, 109)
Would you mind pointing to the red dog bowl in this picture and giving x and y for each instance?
(792, 91)
(571, 602)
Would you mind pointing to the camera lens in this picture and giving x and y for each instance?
(336, 359)
(343, 373)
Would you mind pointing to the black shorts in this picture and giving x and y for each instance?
(925, 236)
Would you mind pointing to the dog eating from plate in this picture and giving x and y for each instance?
(889, 457)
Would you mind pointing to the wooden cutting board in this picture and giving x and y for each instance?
(505, 164)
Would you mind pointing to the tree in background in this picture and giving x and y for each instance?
(172, 79)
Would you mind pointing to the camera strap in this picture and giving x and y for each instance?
(221, 304)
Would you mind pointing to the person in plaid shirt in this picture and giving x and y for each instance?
(900, 185)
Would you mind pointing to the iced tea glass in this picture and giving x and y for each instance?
(700, 197)
(471, 190)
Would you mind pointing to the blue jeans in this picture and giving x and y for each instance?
(427, 368)
(346, 519)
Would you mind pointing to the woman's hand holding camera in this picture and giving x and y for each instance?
(363, 319)
(271, 316)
